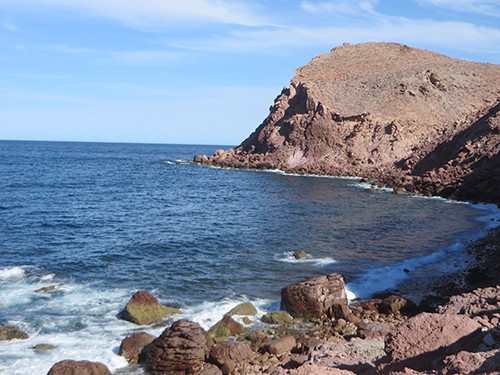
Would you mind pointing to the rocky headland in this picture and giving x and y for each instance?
(410, 118)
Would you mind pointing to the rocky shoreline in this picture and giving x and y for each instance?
(454, 330)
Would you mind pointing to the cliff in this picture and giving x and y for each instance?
(408, 117)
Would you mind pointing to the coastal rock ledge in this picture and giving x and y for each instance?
(411, 118)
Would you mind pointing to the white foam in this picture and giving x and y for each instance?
(288, 257)
(367, 186)
(12, 274)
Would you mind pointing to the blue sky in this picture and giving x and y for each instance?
(196, 71)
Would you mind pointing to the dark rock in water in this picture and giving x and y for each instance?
(143, 308)
(394, 304)
(132, 346)
(69, 367)
(9, 332)
(301, 254)
(43, 347)
(225, 328)
(46, 289)
(282, 345)
(245, 308)
(277, 317)
(313, 298)
(182, 347)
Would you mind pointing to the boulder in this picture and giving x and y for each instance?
(312, 298)
(282, 345)
(472, 363)
(182, 347)
(394, 304)
(43, 347)
(373, 330)
(300, 254)
(9, 332)
(225, 328)
(277, 317)
(143, 309)
(235, 352)
(245, 308)
(427, 338)
(133, 345)
(70, 367)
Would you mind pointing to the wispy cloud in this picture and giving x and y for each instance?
(339, 6)
(156, 12)
(485, 7)
(145, 57)
(60, 48)
(9, 26)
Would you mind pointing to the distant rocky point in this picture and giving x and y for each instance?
(411, 118)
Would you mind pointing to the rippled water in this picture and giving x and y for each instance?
(101, 221)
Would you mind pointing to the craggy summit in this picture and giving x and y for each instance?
(411, 118)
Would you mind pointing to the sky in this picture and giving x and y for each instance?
(196, 71)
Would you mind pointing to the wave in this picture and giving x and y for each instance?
(12, 274)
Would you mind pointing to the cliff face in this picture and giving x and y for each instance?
(409, 117)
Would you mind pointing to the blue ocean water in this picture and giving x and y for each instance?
(101, 221)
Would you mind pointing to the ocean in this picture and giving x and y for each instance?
(100, 221)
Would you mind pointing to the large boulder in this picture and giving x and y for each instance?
(143, 308)
(182, 347)
(277, 317)
(9, 332)
(427, 338)
(70, 367)
(315, 297)
(225, 328)
(133, 345)
(228, 355)
(282, 345)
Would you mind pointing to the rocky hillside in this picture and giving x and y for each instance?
(407, 117)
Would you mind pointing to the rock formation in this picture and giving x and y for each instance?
(9, 332)
(411, 118)
(132, 346)
(143, 308)
(69, 367)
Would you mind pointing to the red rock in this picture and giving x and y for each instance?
(412, 118)
(394, 304)
(282, 345)
(230, 351)
(143, 308)
(313, 298)
(70, 367)
(472, 363)
(427, 338)
(183, 347)
(132, 346)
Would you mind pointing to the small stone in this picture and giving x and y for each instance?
(282, 345)
(43, 347)
(300, 254)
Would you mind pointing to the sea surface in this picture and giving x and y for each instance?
(101, 221)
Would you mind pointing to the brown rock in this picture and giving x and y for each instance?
(9, 332)
(225, 328)
(143, 308)
(277, 317)
(472, 363)
(427, 337)
(313, 298)
(183, 347)
(373, 330)
(209, 369)
(133, 345)
(282, 345)
(230, 351)
(69, 367)
(394, 304)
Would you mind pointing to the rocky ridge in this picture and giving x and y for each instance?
(410, 118)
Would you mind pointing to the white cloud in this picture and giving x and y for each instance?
(9, 26)
(339, 6)
(69, 50)
(145, 57)
(152, 13)
(485, 7)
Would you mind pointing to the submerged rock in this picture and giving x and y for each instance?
(301, 254)
(314, 297)
(132, 346)
(182, 347)
(143, 309)
(69, 367)
(43, 347)
(46, 289)
(9, 332)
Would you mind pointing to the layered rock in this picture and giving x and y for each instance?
(316, 297)
(182, 348)
(70, 367)
(409, 117)
(143, 308)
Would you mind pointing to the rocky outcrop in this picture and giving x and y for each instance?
(412, 118)
(143, 309)
(316, 297)
(132, 346)
(183, 347)
(69, 367)
(9, 332)
(225, 328)
(244, 308)
(424, 340)
(277, 317)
